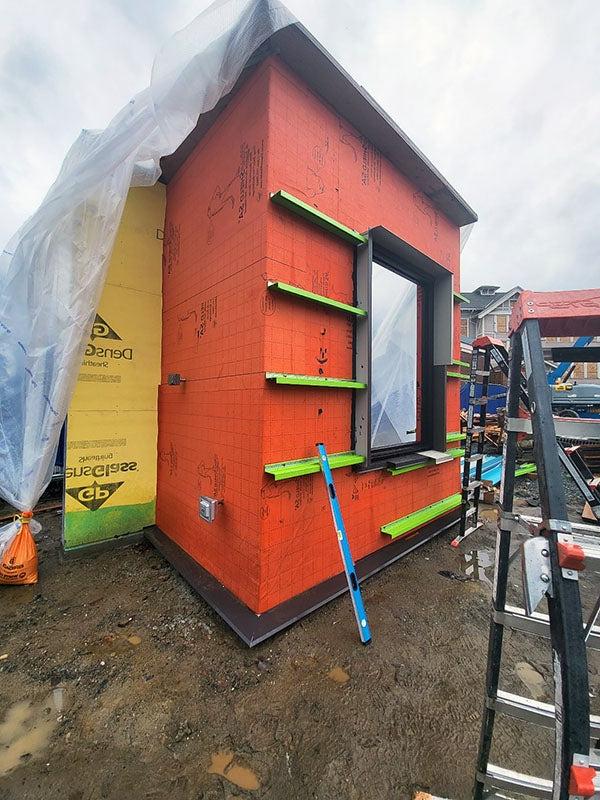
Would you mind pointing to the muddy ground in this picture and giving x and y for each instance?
(117, 681)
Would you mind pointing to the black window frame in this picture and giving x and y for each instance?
(436, 332)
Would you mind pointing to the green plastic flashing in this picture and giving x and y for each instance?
(458, 363)
(525, 469)
(455, 436)
(314, 380)
(410, 468)
(317, 217)
(458, 375)
(316, 298)
(305, 466)
(404, 525)
(460, 298)
(457, 452)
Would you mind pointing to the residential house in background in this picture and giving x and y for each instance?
(486, 312)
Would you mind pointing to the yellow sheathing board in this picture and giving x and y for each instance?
(120, 368)
(110, 471)
(137, 256)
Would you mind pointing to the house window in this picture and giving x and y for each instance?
(395, 363)
(403, 347)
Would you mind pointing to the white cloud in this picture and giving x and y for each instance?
(503, 97)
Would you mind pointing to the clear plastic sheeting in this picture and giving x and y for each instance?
(52, 271)
(393, 359)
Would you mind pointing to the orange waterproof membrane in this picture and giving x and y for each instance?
(237, 419)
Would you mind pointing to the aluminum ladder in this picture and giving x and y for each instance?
(552, 559)
(492, 353)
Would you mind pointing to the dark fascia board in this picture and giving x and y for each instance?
(385, 239)
(310, 61)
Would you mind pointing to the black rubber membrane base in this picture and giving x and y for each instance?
(255, 628)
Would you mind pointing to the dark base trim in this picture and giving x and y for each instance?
(85, 550)
(255, 628)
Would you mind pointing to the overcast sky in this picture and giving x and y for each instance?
(503, 96)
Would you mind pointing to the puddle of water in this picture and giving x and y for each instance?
(27, 728)
(474, 563)
(244, 777)
(532, 679)
(338, 675)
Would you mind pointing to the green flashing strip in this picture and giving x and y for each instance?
(456, 453)
(455, 436)
(525, 469)
(400, 527)
(305, 466)
(317, 217)
(316, 298)
(458, 363)
(410, 468)
(314, 380)
(460, 298)
(458, 375)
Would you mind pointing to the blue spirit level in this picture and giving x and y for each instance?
(359, 609)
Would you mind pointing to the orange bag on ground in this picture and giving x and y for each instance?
(19, 562)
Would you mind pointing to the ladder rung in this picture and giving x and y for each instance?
(470, 512)
(515, 705)
(461, 536)
(474, 485)
(478, 401)
(537, 624)
(475, 457)
(484, 373)
(589, 544)
(477, 429)
(501, 778)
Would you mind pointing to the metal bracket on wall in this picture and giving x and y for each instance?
(280, 286)
(314, 380)
(317, 217)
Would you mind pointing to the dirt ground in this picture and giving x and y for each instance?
(117, 681)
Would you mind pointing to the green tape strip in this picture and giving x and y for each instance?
(316, 298)
(460, 298)
(458, 363)
(458, 375)
(305, 466)
(404, 525)
(90, 527)
(314, 380)
(455, 436)
(317, 217)
(525, 469)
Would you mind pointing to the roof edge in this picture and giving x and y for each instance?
(296, 46)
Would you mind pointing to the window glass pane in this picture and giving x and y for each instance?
(394, 359)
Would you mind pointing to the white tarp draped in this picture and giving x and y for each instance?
(53, 269)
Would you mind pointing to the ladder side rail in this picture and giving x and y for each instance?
(589, 495)
(503, 539)
(564, 607)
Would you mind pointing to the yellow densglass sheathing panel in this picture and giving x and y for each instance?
(110, 470)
